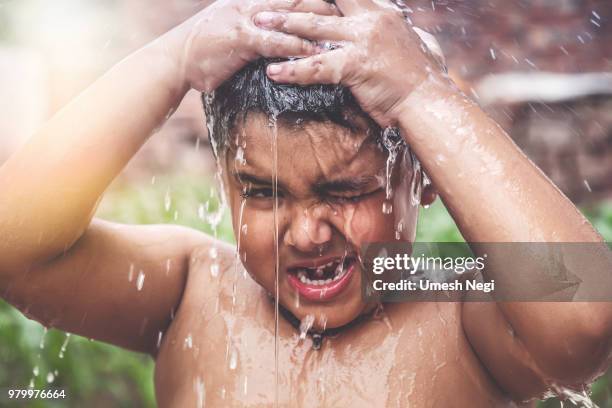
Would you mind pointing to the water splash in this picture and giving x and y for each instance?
(213, 253)
(167, 201)
(214, 269)
(273, 125)
(188, 343)
(399, 229)
(64, 346)
(213, 218)
(43, 338)
(305, 325)
(233, 359)
(418, 182)
(394, 144)
(140, 280)
(237, 262)
(387, 207)
(200, 390)
(579, 398)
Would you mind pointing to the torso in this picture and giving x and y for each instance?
(221, 353)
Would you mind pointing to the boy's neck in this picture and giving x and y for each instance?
(318, 336)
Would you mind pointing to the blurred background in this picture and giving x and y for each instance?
(541, 68)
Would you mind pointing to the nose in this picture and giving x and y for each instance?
(309, 229)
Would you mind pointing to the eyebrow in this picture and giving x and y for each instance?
(345, 185)
(244, 177)
(326, 186)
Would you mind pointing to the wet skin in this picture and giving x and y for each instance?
(331, 189)
(385, 361)
(223, 338)
(67, 271)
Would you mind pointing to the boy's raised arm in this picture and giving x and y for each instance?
(493, 192)
(496, 194)
(58, 267)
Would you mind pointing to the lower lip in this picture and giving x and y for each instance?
(323, 292)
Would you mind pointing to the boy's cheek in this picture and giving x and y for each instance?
(366, 222)
(256, 244)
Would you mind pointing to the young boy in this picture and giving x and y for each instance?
(311, 189)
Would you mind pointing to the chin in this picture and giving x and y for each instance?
(328, 316)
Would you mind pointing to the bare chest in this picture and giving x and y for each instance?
(223, 349)
(233, 360)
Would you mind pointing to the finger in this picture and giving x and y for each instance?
(325, 68)
(271, 44)
(308, 25)
(303, 6)
(353, 7)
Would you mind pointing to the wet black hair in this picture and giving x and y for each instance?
(251, 91)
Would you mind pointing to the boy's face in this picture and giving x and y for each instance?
(331, 194)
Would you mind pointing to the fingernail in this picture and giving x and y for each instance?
(274, 69)
(268, 18)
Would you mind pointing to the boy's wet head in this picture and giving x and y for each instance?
(251, 91)
(342, 182)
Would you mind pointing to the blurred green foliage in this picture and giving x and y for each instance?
(99, 375)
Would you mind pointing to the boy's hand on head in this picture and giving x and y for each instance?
(374, 52)
(222, 38)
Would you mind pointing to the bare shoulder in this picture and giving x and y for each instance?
(216, 273)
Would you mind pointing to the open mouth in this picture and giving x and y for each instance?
(323, 281)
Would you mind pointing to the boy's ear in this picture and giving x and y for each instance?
(428, 195)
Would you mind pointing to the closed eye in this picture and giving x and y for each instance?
(353, 198)
(261, 193)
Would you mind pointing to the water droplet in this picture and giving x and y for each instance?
(35, 371)
(188, 342)
(387, 207)
(64, 346)
(394, 143)
(214, 270)
(306, 325)
(42, 339)
(160, 336)
(167, 201)
(213, 252)
(240, 159)
(131, 273)
(200, 391)
(140, 280)
(233, 361)
(50, 377)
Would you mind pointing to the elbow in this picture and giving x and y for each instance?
(594, 356)
(581, 354)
